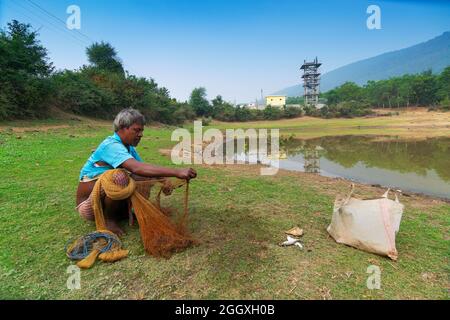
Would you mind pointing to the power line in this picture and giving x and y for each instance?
(27, 16)
(63, 26)
(30, 18)
(41, 20)
(45, 22)
(55, 17)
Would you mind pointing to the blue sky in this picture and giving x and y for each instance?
(232, 47)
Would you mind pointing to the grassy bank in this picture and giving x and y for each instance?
(238, 216)
(411, 123)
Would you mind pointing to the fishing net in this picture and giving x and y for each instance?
(160, 235)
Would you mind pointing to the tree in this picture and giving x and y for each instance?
(272, 113)
(199, 103)
(217, 102)
(25, 86)
(444, 85)
(347, 91)
(76, 92)
(103, 56)
(295, 100)
(224, 111)
(425, 88)
(243, 114)
(405, 90)
(445, 104)
(292, 112)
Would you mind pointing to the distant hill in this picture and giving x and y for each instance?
(433, 54)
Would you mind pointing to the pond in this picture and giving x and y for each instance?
(421, 166)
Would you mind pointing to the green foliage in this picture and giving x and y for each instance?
(103, 56)
(224, 111)
(345, 109)
(101, 93)
(217, 102)
(77, 93)
(292, 112)
(272, 113)
(311, 111)
(445, 104)
(424, 89)
(350, 100)
(443, 91)
(294, 100)
(29, 88)
(243, 114)
(346, 92)
(24, 73)
(5, 105)
(206, 121)
(182, 113)
(199, 102)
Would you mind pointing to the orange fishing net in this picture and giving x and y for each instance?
(160, 236)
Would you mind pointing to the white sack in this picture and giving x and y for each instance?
(369, 225)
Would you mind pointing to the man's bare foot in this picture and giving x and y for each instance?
(112, 226)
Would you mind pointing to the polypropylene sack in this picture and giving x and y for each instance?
(367, 224)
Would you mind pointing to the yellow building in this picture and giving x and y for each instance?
(276, 101)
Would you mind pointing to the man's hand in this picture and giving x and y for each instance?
(147, 170)
(187, 174)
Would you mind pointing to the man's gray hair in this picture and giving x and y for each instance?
(126, 118)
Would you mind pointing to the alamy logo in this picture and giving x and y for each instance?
(74, 20)
(374, 20)
(74, 280)
(374, 280)
(212, 147)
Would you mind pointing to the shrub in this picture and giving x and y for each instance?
(292, 112)
(272, 113)
(445, 104)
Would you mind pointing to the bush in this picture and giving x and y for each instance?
(243, 114)
(312, 111)
(445, 104)
(346, 109)
(292, 112)
(101, 89)
(24, 81)
(272, 113)
(5, 105)
(206, 121)
(77, 93)
(183, 112)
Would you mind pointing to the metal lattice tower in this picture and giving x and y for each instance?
(311, 81)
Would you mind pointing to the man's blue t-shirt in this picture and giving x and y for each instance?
(111, 151)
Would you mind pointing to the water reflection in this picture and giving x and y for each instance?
(417, 166)
(312, 159)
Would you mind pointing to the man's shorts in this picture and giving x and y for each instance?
(85, 208)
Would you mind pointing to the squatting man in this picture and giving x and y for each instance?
(118, 151)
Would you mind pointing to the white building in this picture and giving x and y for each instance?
(276, 101)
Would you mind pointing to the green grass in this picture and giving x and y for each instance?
(238, 216)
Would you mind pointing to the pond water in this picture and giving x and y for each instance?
(421, 166)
